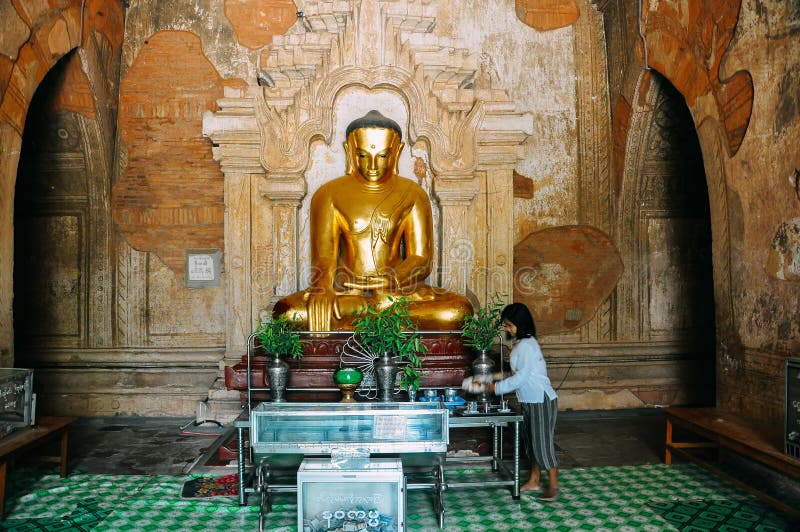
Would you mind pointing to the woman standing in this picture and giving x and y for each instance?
(535, 394)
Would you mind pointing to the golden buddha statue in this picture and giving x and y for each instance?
(371, 240)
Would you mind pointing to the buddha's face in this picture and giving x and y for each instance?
(374, 152)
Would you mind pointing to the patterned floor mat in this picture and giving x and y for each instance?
(631, 498)
(723, 514)
(86, 517)
(211, 486)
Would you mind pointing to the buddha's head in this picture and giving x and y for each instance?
(373, 147)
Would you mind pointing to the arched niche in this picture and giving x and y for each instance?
(470, 151)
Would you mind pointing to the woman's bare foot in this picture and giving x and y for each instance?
(550, 494)
(530, 486)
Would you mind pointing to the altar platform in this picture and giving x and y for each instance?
(446, 363)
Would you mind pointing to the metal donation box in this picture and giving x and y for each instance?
(351, 495)
(17, 400)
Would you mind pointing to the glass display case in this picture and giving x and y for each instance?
(17, 400)
(351, 494)
(285, 433)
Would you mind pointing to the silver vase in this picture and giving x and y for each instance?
(482, 366)
(278, 376)
(386, 369)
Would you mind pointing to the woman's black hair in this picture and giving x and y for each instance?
(520, 316)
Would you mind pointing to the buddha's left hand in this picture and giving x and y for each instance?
(373, 282)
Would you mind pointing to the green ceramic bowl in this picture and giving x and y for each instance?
(347, 376)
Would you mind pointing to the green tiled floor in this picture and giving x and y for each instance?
(630, 498)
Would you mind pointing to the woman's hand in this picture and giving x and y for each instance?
(466, 384)
(471, 385)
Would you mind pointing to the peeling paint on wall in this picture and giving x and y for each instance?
(784, 257)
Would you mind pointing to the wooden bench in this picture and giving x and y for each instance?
(26, 439)
(721, 429)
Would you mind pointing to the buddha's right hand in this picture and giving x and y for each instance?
(320, 309)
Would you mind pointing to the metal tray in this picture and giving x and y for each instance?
(494, 410)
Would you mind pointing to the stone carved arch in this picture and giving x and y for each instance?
(627, 227)
(286, 152)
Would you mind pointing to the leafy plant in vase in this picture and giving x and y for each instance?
(279, 337)
(480, 332)
(391, 336)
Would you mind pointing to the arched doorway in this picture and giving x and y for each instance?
(665, 298)
(39, 40)
(61, 228)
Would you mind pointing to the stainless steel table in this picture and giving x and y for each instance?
(497, 422)
(282, 435)
(432, 446)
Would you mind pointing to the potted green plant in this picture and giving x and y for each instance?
(279, 337)
(480, 332)
(391, 336)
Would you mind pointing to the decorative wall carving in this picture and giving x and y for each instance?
(131, 289)
(465, 124)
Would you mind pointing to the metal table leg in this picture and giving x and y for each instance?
(515, 490)
(240, 464)
(496, 454)
(439, 497)
(265, 503)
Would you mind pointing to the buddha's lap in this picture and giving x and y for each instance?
(427, 304)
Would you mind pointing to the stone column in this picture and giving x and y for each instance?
(238, 295)
(500, 231)
(284, 192)
(455, 194)
(237, 141)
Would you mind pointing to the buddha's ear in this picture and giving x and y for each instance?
(349, 166)
(397, 158)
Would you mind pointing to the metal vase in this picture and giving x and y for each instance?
(386, 369)
(483, 365)
(278, 376)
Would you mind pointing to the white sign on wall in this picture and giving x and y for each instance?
(203, 268)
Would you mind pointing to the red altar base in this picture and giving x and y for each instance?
(446, 363)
